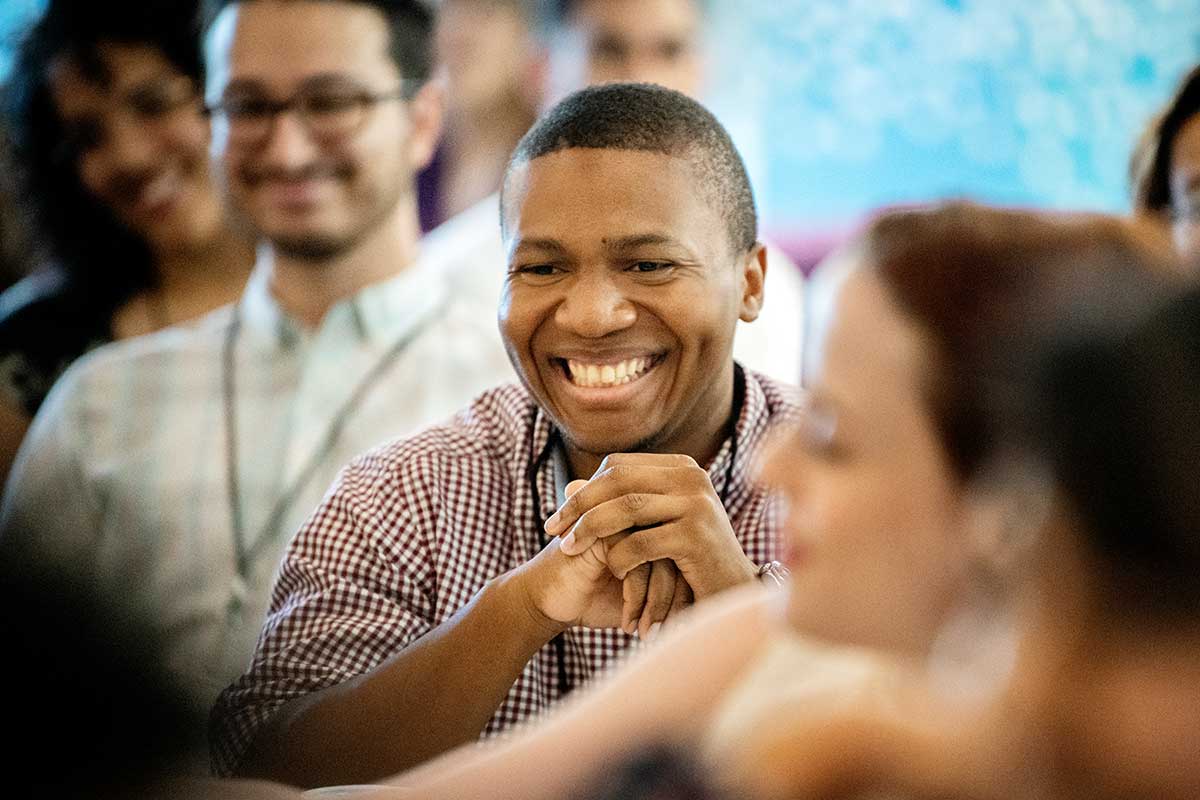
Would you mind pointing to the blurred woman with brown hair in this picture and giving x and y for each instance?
(111, 139)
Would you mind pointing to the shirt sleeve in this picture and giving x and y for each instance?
(50, 517)
(356, 585)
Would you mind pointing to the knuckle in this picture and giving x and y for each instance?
(699, 478)
(612, 459)
(634, 502)
(571, 507)
(618, 473)
(713, 504)
(637, 546)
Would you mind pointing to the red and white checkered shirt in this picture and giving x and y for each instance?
(413, 530)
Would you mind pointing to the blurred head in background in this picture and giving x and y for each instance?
(488, 53)
(107, 122)
(322, 116)
(641, 41)
(1165, 168)
(1112, 672)
(896, 510)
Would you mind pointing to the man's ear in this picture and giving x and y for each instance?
(753, 275)
(425, 112)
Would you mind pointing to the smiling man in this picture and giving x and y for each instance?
(428, 599)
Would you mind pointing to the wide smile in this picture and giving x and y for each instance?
(158, 195)
(296, 194)
(606, 381)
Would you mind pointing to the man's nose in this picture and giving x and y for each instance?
(595, 306)
(288, 144)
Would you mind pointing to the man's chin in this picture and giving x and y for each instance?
(311, 248)
(614, 442)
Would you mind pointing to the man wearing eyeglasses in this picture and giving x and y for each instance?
(172, 470)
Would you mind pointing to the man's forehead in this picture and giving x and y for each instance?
(546, 172)
(286, 41)
(639, 18)
(614, 198)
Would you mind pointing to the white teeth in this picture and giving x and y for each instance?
(597, 375)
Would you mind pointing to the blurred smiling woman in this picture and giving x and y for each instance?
(112, 143)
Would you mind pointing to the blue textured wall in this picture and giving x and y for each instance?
(14, 16)
(860, 103)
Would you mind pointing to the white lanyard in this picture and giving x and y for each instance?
(246, 552)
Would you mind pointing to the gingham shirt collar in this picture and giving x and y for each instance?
(546, 453)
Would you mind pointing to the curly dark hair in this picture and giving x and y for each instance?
(642, 116)
(75, 229)
(1150, 165)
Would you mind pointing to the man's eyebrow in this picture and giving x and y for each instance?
(549, 245)
(243, 85)
(319, 81)
(623, 243)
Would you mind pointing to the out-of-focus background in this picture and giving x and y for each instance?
(840, 107)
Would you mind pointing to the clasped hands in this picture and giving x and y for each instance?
(643, 538)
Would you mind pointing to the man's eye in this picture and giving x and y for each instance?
(540, 270)
(671, 50)
(152, 103)
(607, 48)
(651, 266)
(330, 102)
(248, 108)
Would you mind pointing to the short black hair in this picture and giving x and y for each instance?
(410, 28)
(88, 243)
(1150, 166)
(646, 117)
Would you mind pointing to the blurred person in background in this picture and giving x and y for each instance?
(627, 41)
(1165, 169)
(15, 248)
(911, 541)
(653, 41)
(1113, 675)
(1104, 702)
(111, 142)
(491, 62)
(99, 715)
(172, 470)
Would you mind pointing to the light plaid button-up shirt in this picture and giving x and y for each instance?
(413, 530)
(123, 478)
